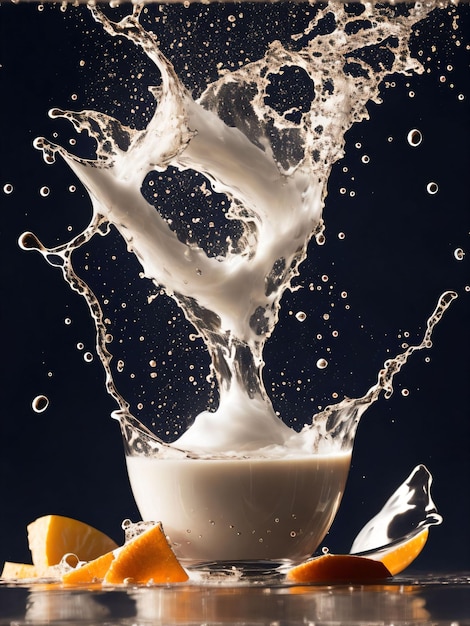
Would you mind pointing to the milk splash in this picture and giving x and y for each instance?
(272, 163)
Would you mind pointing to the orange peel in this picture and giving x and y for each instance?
(338, 568)
(399, 555)
(389, 561)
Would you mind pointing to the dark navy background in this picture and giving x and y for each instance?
(396, 259)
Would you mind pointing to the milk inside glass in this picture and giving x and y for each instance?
(241, 509)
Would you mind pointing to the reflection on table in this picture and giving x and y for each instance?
(425, 600)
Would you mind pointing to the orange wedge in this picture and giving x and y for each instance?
(91, 572)
(12, 571)
(399, 555)
(52, 536)
(338, 568)
(147, 558)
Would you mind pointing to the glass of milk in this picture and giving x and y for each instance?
(254, 511)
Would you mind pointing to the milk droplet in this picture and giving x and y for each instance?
(459, 254)
(432, 188)
(7, 188)
(414, 137)
(44, 191)
(301, 316)
(322, 363)
(40, 404)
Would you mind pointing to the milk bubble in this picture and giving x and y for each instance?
(415, 137)
(40, 404)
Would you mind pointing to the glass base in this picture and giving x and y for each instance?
(252, 572)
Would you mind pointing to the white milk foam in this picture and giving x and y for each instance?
(273, 168)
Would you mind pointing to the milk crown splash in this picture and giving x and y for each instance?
(273, 166)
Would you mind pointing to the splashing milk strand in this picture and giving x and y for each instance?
(273, 167)
(410, 507)
(233, 301)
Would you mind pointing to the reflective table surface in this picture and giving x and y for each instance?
(424, 599)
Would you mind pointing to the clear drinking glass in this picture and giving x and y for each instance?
(256, 514)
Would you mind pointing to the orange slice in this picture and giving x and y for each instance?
(18, 570)
(147, 558)
(338, 568)
(399, 555)
(52, 536)
(91, 572)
